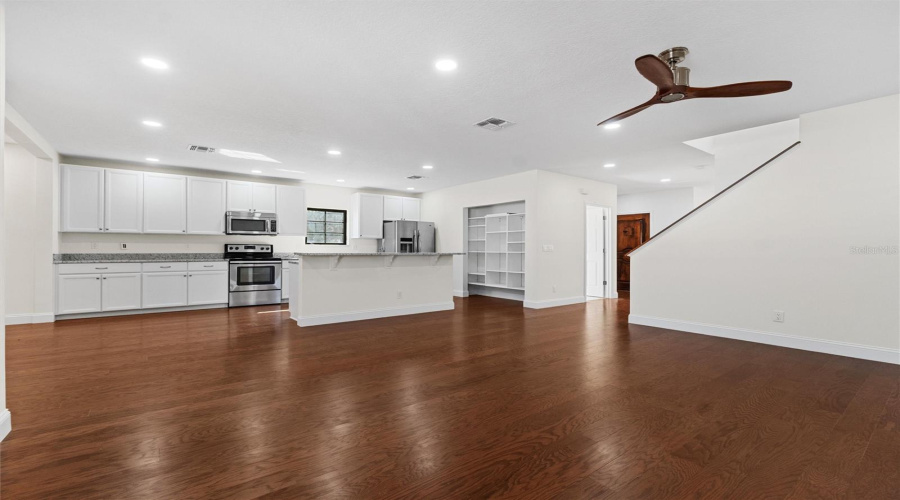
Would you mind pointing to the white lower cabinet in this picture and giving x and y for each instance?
(207, 287)
(164, 289)
(79, 293)
(285, 281)
(121, 291)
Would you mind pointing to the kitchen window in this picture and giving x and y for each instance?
(326, 227)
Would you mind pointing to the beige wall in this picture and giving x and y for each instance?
(782, 240)
(317, 195)
(555, 215)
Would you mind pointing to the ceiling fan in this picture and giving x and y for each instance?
(672, 85)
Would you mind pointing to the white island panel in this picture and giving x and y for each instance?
(331, 288)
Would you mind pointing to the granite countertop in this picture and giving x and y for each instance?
(373, 254)
(110, 258)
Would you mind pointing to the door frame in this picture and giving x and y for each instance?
(610, 290)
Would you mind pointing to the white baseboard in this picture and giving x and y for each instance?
(543, 304)
(460, 293)
(5, 423)
(325, 319)
(26, 319)
(129, 312)
(499, 293)
(778, 339)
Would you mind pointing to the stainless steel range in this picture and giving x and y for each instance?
(254, 276)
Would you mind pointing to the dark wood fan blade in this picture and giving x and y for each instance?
(658, 72)
(626, 114)
(745, 89)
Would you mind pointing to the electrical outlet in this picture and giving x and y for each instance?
(554, 288)
(548, 248)
(779, 316)
(123, 246)
(93, 245)
(399, 294)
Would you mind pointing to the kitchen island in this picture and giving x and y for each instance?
(339, 287)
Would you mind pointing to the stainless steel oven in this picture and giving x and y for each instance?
(254, 276)
(255, 223)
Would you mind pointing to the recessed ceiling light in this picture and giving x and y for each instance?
(340, 180)
(445, 65)
(611, 126)
(152, 159)
(334, 152)
(154, 63)
(665, 180)
(151, 123)
(256, 171)
(288, 170)
(410, 189)
(246, 155)
(427, 167)
(609, 165)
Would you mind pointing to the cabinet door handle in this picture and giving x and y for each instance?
(97, 278)
(104, 277)
(164, 267)
(101, 268)
(208, 265)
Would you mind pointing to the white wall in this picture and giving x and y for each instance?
(317, 195)
(5, 419)
(782, 239)
(664, 207)
(555, 215)
(28, 214)
(737, 153)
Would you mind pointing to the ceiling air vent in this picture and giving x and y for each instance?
(414, 177)
(201, 149)
(494, 124)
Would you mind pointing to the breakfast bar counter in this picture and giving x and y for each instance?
(339, 287)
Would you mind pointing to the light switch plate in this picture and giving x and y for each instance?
(548, 248)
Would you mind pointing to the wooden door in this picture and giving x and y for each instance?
(633, 231)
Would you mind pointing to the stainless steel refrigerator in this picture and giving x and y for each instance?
(407, 236)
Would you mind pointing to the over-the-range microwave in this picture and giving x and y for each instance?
(257, 223)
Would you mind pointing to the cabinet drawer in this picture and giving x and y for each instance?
(125, 267)
(208, 266)
(156, 267)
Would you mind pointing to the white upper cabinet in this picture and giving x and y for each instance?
(124, 201)
(240, 196)
(264, 197)
(291, 211)
(411, 208)
(393, 207)
(81, 199)
(165, 203)
(205, 205)
(251, 197)
(401, 208)
(366, 215)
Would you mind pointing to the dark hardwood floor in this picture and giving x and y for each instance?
(489, 400)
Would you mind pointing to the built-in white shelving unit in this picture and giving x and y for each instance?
(496, 248)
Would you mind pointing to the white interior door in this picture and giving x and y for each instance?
(594, 263)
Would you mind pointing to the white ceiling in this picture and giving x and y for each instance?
(293, 79)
